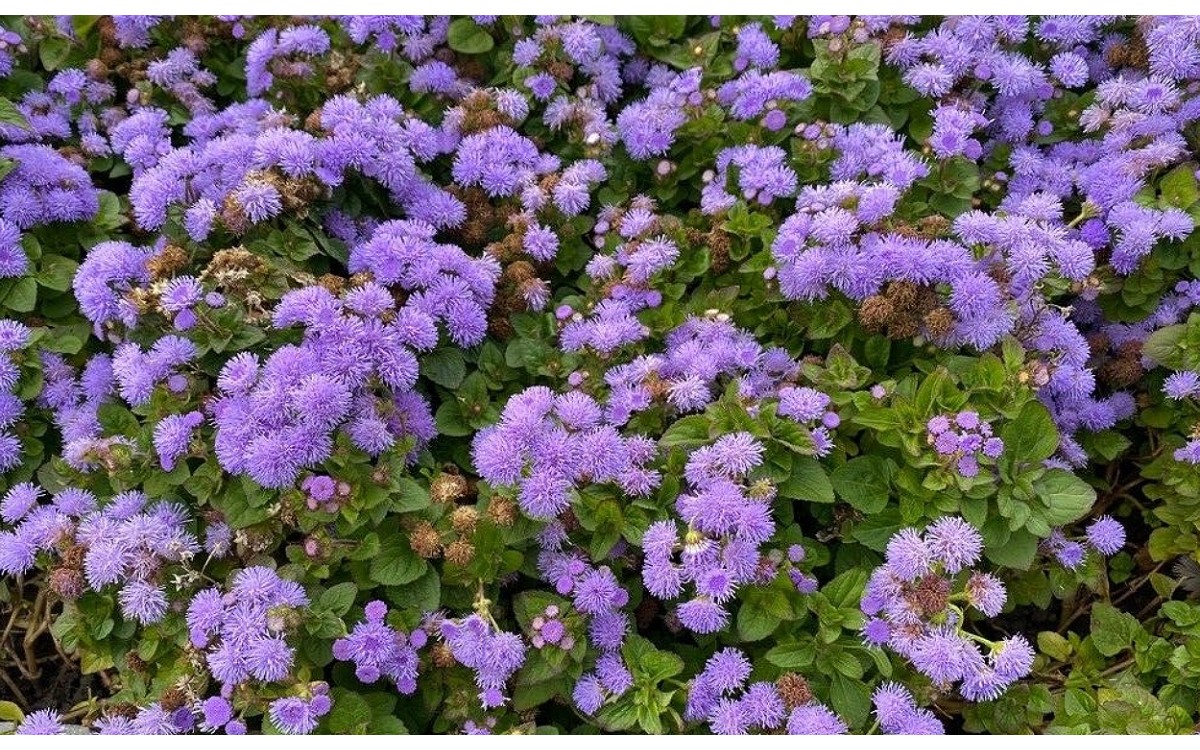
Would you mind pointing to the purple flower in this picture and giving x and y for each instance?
(293, 715)
(143, 601)
(897, 712)
(46, 721)
(908, 555)
(953, 542)
(815, 718)
(1107, 535)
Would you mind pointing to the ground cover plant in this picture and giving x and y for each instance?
(658, 374)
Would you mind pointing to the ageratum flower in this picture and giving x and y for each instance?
(916, 605)
(494, 656)
(547, 445)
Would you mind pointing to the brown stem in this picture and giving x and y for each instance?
(1117, 667)
(21, 699)
(37, 627)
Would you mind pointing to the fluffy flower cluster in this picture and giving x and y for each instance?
(647, 127)
(296, 715)
(245, 167)
(42, 187)
(624, 277)
(353, 372)
(962, 438)
(762, 175)
(494, 655)
(598, 597)
(897, 712)
(74, 398)
(916, 604)
(1105, 535)
(128, 542)
(702, 354)
(810, 407)
(242, 631)
(548, 445)
(13, 337)
(378, 650)
(444, 283)
(728, 517)
(549, 630)
(721, 696)
(285, 53)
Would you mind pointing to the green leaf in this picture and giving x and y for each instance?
(444, 366)
(10, 115)
(792, 655)
(1067, 497)
(619, 716)
(1054, 645)
(408, 496)
(53, 52)
(689, 432)
(1112, 630)
(851, 698)
(338, 599)
(1017, 553)
(807, 481)
(1031, 437)
(396, 563)
(649, 665)
(22, 296)
(656, 31)
(422, 595)
(863, 482)
(1163, 346)
(449, 420)
(10, 711)
(761, 613)
(56, 272)
(464, 35)
(350, 713)
(845, 590)
(1178, 187)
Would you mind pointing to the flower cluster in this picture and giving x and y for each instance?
(1105, 535)
(42, 187)
(445, 283)
(549, 630)
(243, 631)
(493, 654)
(811, 408)
(916, 604)
(13, 337)
(380, 651)
(296, 715)
(728, 517)
(963, 438)
(546, 445)
(352, 372)
(127, 541)
(721, 696)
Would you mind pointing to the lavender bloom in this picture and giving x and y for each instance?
(377, 650)
(897, 712)
(815, 718)
(909, 602)
(46, 721)
(545, 445)
(963, 439)
(494, 656)
(172, 435)
(1106, 535)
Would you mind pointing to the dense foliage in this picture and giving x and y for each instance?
(639, 374)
